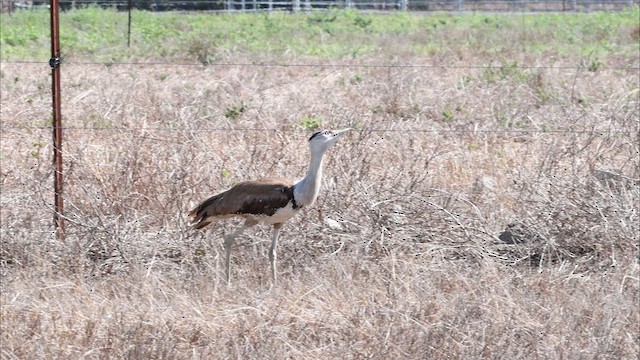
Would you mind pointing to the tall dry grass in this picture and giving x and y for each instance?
(400, 257)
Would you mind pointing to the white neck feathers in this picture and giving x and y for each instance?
(306, 190)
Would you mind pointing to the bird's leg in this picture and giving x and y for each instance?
(272, 251)
(228, 243)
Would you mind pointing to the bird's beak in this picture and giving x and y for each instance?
(341, 132)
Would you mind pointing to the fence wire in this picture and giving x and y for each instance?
(326, 65)
(319, 5)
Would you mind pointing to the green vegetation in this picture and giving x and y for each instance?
(236, 110)
(95, 34)
(311, 123)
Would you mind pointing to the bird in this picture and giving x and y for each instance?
(266, 200)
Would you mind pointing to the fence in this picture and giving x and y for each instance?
(368, 5)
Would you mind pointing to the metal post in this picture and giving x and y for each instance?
(57, 120)
(129, 5)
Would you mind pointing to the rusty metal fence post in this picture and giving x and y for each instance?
(58, 215)
(129, 6)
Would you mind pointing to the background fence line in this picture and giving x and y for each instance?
(313, 5)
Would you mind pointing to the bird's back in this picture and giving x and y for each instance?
(257, 198)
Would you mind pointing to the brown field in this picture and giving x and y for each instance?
(400, 256)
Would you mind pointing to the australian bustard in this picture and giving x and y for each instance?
(268, 200)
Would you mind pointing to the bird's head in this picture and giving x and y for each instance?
(322, 140)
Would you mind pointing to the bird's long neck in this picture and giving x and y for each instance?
(306, 190)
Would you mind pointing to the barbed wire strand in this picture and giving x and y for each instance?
(326, 65)
(364, 130)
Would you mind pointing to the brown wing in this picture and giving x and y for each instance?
(259, 197)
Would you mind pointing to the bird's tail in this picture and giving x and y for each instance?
(200, 216)
(198, 222)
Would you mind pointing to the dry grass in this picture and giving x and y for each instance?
(400, 258)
